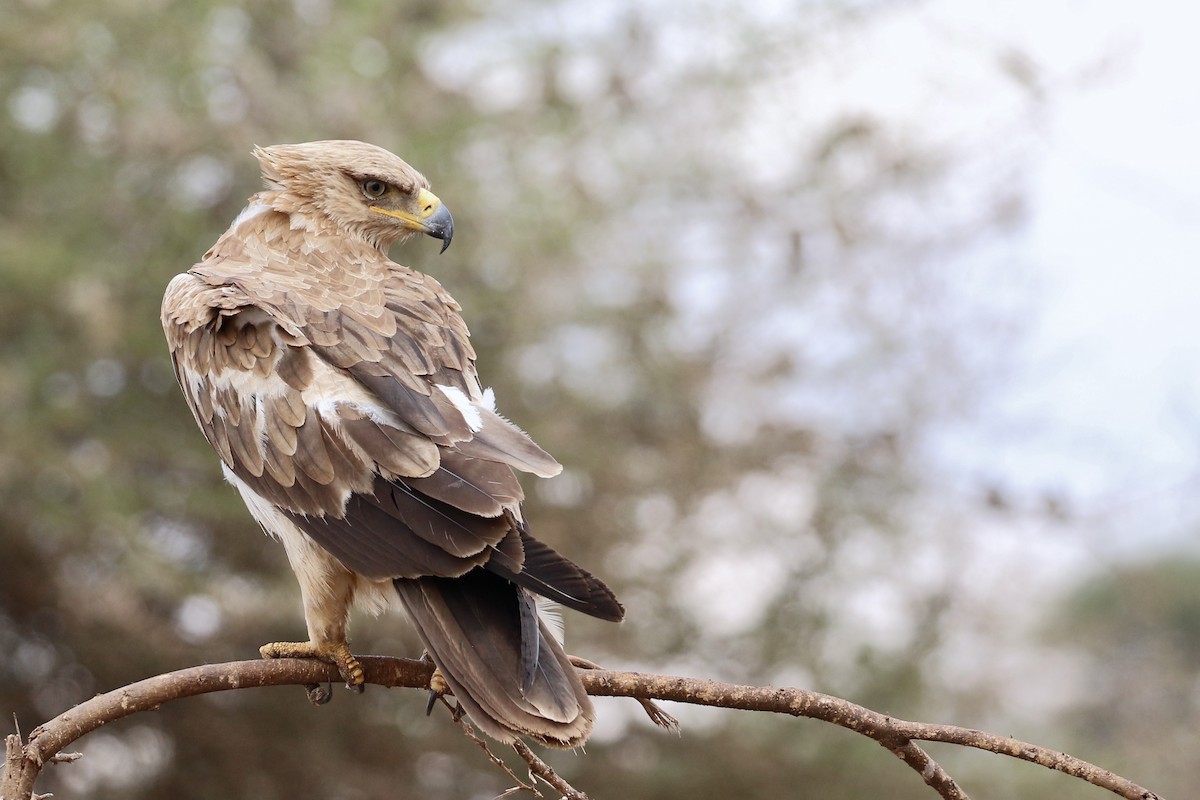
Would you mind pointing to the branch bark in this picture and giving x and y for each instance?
(24, 761)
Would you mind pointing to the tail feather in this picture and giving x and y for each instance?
(545, 571)
(507, 671)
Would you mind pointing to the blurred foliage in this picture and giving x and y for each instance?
(1137, 629)
(739, 352)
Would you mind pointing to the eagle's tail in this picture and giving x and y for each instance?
(506, 669)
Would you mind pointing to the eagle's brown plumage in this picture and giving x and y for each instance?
(340, 391)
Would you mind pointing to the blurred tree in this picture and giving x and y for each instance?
(1136, 633)
(729, 315)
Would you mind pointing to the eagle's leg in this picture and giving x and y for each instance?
(327, 590)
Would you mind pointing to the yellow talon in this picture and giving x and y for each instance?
(336, 653)
(437, 688)
(437, 683)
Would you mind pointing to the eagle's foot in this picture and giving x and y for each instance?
(437, 683)
(437, 688)
(336, 653)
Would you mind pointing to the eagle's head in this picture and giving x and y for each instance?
(358, 189)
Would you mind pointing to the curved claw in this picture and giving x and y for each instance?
(319, 695)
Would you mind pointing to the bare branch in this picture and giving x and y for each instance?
(881, 728)
(23, 763)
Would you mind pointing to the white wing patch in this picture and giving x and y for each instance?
(464, 405)
(331, 387)
(550, 613)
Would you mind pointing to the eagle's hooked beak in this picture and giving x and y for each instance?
(433, 219)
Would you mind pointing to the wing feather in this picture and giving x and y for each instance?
(500, 440)
(428, 412)
(281, 424)
(293, 368)
(457, 532)
(375, 537)
(218, 437)
(289, 406)
(278, 461)
(311, 456)
(478, 487)
(400, 452)
(243, 437)
(548, 573)
(229, 403)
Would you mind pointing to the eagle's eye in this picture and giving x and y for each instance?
(374, 188)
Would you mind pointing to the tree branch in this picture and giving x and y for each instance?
(23, 763)
(880, 727)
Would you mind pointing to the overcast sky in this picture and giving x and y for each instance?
(1112, 369)
(1103, 406)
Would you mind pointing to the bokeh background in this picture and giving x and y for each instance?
(866, 332)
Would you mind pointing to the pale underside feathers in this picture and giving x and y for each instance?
(339, 389)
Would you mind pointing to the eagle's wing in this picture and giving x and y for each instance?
(343, 391)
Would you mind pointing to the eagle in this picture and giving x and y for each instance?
(340, 391)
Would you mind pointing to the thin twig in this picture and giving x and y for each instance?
(653, 710)
(64, 758)
(542, 770)
(469, 731)
(930, 771)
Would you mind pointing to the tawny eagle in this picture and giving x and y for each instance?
(340, 391)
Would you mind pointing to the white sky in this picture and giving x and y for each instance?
(1103, 405)
(1109, 381)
